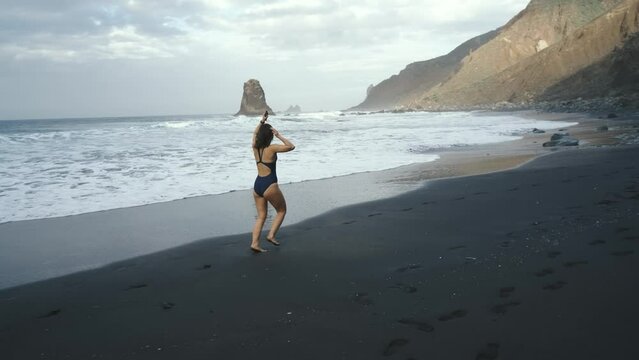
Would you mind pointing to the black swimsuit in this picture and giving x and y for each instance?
(263, 182)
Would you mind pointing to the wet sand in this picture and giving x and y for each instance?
(537, 262)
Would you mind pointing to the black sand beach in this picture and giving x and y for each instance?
(538, 262)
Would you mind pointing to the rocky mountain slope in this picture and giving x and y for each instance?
(617, 74)
(549, 51)
(420, 76)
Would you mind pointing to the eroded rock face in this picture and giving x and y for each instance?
(253, 100)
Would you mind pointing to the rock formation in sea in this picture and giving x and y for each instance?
(253, 100)
(553, 50)
(293, 109)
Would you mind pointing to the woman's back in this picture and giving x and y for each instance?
(265, 159)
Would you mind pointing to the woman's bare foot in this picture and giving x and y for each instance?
(257, 249)
(273, 241)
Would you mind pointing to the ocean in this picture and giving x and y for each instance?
(59, 167)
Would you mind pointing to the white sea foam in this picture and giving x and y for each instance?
(62, 167)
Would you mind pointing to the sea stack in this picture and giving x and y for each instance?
(253, 100)
(293, 109)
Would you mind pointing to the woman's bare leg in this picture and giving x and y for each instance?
(274, 196)
(262, 209)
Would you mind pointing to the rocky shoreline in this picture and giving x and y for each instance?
(605, 105)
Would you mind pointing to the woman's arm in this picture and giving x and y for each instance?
(288, 146)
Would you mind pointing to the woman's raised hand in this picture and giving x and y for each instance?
(275, 132)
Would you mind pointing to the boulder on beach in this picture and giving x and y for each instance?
(538, 131)
(557, 136)
(253, 100)
(558, 139)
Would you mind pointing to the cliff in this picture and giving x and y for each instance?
(552, 50)
(419, 77)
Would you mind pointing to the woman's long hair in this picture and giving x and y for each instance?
(264, 136)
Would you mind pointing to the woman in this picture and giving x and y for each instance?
(266, 188)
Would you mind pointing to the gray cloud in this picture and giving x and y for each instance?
(50, 49)
(94, 17)
(282, 25)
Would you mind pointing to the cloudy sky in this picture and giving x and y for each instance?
(85, 58)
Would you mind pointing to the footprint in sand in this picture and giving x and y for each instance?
(501, 309)
(407, 209)
(168, 305)
(419, 324)
(409, 289)
(554, 286)
(50, 313)
(513, 189)
(575, 263)
(488, 352)
(204, 267)
(506, 291)
(457, 247)
(505, 244)
(394, 345)
(136, 286)
(574, 207)
(607, 202)
(480, 193)
(622, 253)
(453, 315)
(553, 254)
(362, 299)
(408, 267)
(596, 242)
(622, 229)
(545, 271)
(429, 202)
(460, 198)
(374, 214)
(348, 222)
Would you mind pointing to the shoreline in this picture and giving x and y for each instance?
(124, 233)
(152, 200)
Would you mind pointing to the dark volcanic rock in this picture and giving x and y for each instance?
(253, 100)
(538, 131)
(557, 136)
(558, 139)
